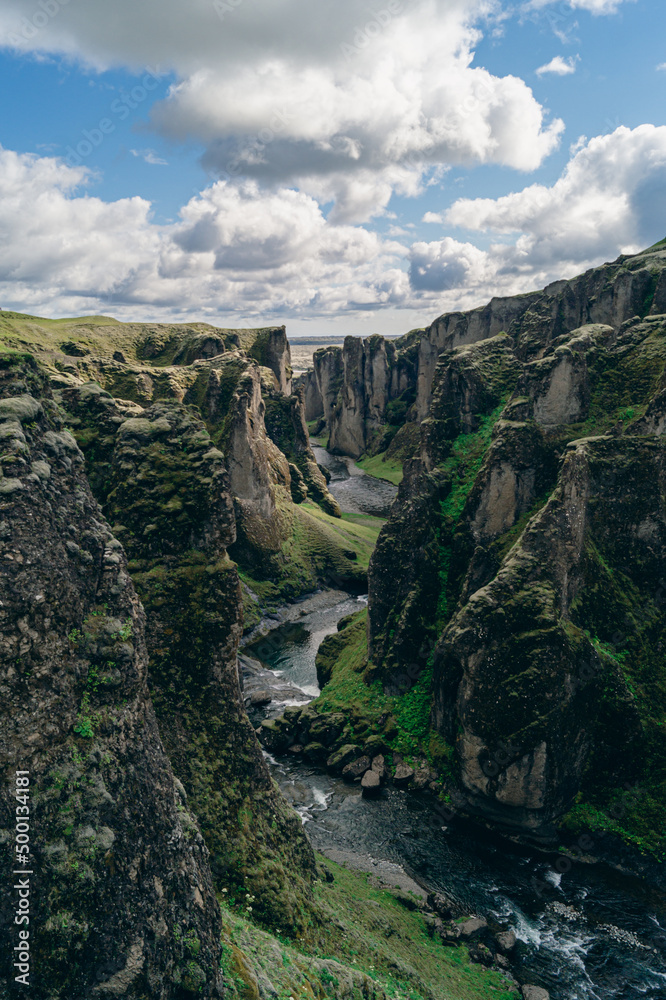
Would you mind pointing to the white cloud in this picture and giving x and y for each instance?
(446, 265)
(611, 199)
(559, 66)
(240, 253)
(661, 67)
(596, 7)
(149, 156)
(350, 105)
(235, 250)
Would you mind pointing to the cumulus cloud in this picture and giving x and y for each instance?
(244, 252)
(446, 265)
(351, 105)
(559, 66)
(235, 250)
(611, 199)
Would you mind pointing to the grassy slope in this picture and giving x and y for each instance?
(315, 551)
(368, 944)
(403, 719)
(99, 335)
(382, 468)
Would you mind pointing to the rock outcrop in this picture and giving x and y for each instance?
(167, 491)
(365, 393)
(121, 896)
(523, 567)
(285, 424)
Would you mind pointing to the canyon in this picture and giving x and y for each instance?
(162, 504)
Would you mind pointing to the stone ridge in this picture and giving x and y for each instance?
(122, 894)
(365, 391)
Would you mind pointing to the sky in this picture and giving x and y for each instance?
(337, 166)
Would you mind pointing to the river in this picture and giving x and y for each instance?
(592, 933)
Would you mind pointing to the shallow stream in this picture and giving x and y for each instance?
(354, 489)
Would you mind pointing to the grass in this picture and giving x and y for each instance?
(102, 335)
(368, 708)
(382, 467)
(351, 531)
(314, 553)
(367, 943)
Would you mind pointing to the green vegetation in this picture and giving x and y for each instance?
(157, 344)
(382, 467)
(403, 720)
(320, 549)
(462, 467)
(366, 943)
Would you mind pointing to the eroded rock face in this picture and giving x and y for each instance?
(121, 880)
(285, 424)
(328, 376)
(258, 473)
(520, 688)
(371, 379)
(166, 488)
(365, 393)
(524, 563)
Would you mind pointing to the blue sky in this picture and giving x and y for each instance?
(342, 167)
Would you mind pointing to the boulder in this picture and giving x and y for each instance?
(343, 756)
(327, 728)
(273, 736)
(506, 941)
(481, 953)
(534, 993)
(371, 784)
(315, 751)
(375, 745)
(261, 698)
(356, 769)
(380, 768)
(473, 927)
(404, 774)
(443, 905)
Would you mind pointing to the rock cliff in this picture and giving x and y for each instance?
(367, 391)
(138, 813)
(167, 491)
(121, 895)
(521, 574)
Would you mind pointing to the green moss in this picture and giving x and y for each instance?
(320, 549)
(351, 690)
(462, 466)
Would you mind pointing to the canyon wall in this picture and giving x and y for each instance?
(358, 390)
(122, 880)
(521, 573)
